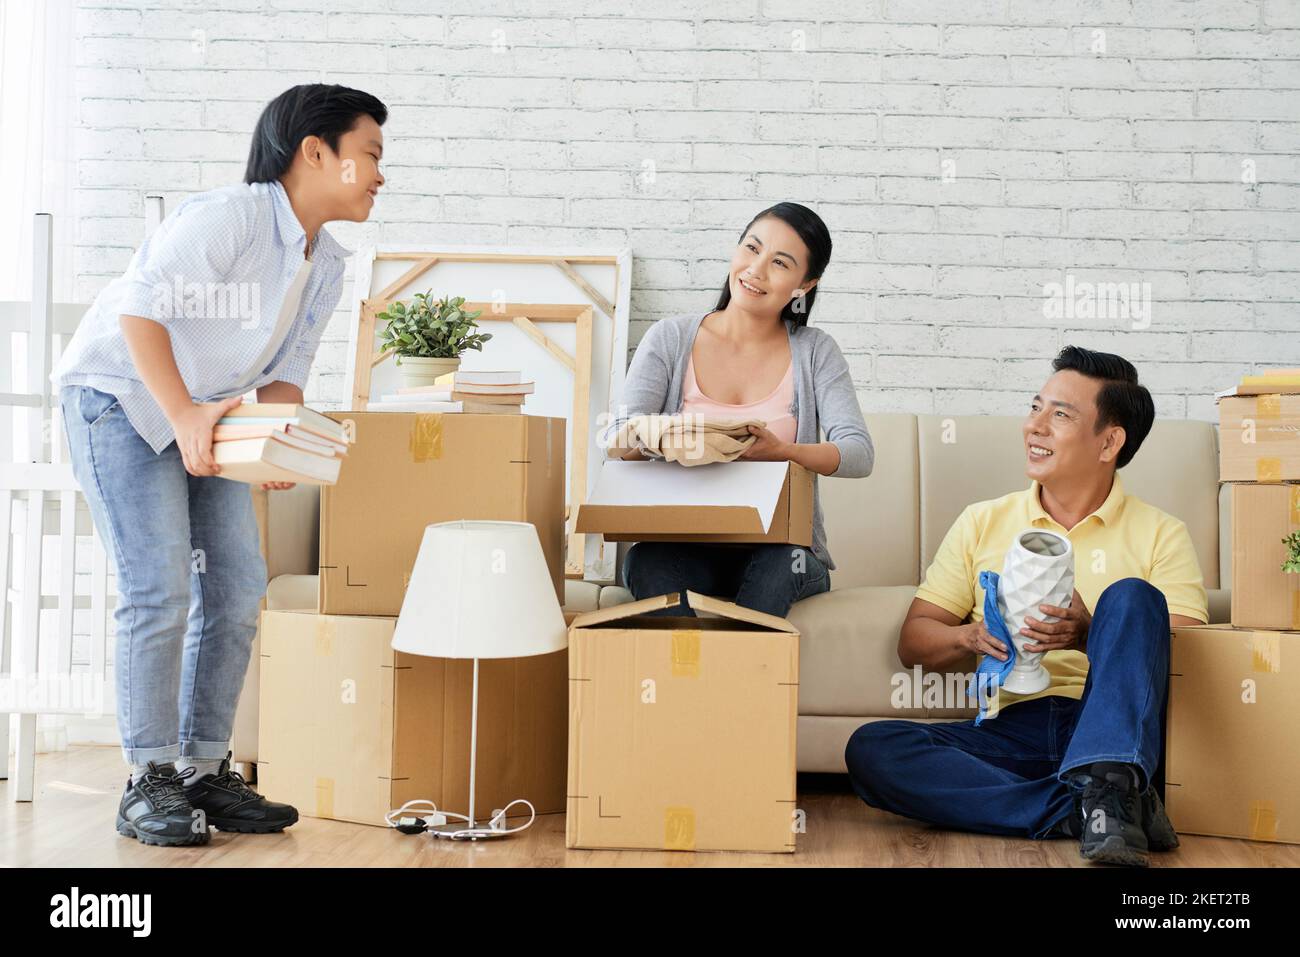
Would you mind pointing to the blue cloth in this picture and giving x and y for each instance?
(991, 673)
(1009, 776)
(214, 273)
(190, 579)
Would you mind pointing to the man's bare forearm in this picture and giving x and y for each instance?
(934, 646)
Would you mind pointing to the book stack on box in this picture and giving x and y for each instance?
(494, 392)
(279, 442)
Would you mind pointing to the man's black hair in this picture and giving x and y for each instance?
(1120, 401)
(313, 109)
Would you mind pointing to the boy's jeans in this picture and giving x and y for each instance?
(190, 578)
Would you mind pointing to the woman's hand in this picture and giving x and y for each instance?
(1070, 632)
(193, 427)
(767, 447)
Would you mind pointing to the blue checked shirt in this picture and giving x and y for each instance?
(214, 274)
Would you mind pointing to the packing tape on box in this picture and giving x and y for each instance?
(426, 437)
(679, 829)
(686, 653)
(1263, 821)
(1268, 406)
(1266, 653)
(1268, 470)
(1295, 507)
(324, 637)
(325, 797)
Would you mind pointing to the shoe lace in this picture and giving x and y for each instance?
(1119, 805)
(167, 789)
(232, 779)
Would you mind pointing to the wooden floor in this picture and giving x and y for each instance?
(70, 824)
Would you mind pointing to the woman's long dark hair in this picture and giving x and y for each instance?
(815, 236)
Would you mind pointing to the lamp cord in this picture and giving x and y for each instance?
(418, 823)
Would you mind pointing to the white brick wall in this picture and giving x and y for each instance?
(963, 152)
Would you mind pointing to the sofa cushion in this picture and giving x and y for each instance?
(872, 529)
(848, 650)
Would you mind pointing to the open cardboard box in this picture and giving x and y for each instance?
(652, 501)
(681, 729)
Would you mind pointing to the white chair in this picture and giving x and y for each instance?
(39, 496)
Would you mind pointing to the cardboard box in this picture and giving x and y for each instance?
(409, 470)
(682, 730)
(1263, 595)
(351, 729)
(1259, 438)
(720, 502)
(1232, 764)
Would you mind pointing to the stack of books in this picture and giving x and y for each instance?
(1270, 382)
(493, 392)
(279, 442)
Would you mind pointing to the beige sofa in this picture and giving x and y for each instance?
(883, 531)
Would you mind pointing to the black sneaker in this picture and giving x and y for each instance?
(155, 809)
(1110, 813)
(1160, 832)
(231, 805)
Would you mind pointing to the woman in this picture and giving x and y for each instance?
(231, 293)
(754, 357)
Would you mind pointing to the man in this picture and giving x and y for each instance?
(1077, 758)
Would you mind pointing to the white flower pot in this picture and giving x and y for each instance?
(1038, 570)
(417, 372)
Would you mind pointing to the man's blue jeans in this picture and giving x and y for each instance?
(764, 577)
(1008, 776)
(190, 578)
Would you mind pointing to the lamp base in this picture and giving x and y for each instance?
(463, 832)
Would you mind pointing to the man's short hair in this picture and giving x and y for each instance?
(1120, 401)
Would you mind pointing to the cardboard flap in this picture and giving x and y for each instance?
(670, 519)
(729, 609)
(625, 610)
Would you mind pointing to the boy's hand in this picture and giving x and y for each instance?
(193, 428)
(277, 486)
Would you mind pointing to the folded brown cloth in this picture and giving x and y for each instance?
(685, 439)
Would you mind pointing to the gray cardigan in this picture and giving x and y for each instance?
(822, 384)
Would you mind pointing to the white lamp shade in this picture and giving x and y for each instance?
(480, 590)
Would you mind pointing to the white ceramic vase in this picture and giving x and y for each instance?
(416, 371)
(1038, 570)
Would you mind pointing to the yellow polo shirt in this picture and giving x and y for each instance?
(1124, 538)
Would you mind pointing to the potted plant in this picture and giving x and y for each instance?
(429, 336)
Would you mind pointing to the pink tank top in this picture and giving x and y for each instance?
(774, 410)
